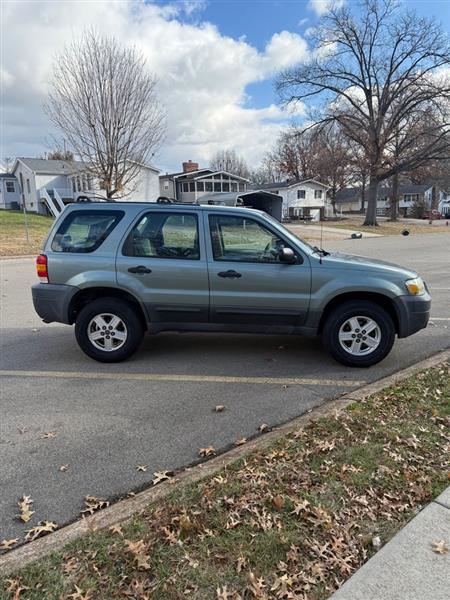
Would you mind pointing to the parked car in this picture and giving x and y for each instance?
(119, 270)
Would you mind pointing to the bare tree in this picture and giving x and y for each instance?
(229, 160)
(294, 154)
(332, 159)
(7, 164)
(103, 101)
(375, 69)
(60, 154)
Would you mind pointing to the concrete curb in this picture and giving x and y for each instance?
(125, 509)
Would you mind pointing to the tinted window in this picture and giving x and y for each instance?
(242, 239)
(164, 235)
(84, 231)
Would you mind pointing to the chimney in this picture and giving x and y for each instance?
(190, 166)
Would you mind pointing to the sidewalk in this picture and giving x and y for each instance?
(407, 568)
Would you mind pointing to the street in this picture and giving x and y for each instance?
(157, 409)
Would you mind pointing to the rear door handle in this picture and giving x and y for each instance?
(230, 274)
(139, 269)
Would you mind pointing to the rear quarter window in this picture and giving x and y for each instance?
(84, 231)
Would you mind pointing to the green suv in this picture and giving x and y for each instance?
(117, 270)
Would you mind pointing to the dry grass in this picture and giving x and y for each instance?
(293, 521)
(386, 227)
(13, 240)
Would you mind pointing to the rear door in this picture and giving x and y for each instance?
(248, 283)
(163, 262)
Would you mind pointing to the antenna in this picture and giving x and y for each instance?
(321, 239)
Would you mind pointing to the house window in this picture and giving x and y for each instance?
(234, 186)
(217, 186)
(226, 186)
(241, 187)
(317, 194)
(200, 186)
(410, 197)
(10, 186)
(301, 194)
(185, 187)
(28, 186)
(192, 186)
(208, 186)
(89, 182)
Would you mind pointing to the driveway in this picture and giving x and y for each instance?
(157, 409)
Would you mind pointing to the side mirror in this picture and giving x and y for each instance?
(287, 256)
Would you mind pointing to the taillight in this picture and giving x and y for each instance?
(41, 268)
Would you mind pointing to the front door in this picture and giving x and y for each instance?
(163, 262)
(248, 283)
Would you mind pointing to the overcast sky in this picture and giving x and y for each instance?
(215, 61)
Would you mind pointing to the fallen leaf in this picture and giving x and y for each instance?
(142, 468)
(22, 429)
(278, 501)
(440, 547)
(49, 434)
(41, 528)
(63, 468)
(219, 408)
(116, 529)
(138, 550)
(161, 476)
(208, 451)
(240, 442)
(78, 594)
(93, 504)
(8, 544)
(25, 509)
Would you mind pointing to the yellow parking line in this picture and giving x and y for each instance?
(183, 378)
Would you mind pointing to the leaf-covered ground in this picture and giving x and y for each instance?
(291, 522)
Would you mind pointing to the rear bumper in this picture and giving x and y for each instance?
(413, 313)
(51, 301)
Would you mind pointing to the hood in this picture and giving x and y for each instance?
(361, 263)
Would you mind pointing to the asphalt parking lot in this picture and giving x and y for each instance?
(157, 409)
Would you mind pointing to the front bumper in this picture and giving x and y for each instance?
(51, 301)
(413, 313)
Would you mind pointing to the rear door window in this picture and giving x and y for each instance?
(164, 235)
(85, 231)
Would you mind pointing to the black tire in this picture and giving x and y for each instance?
(130, 328)
(358, 308)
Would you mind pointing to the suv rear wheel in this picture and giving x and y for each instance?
(358, 333)
(108, 330)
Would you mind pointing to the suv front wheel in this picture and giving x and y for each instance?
(358, 333)
(108, 330)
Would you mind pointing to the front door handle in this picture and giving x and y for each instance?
(230, 274)
(139, 269)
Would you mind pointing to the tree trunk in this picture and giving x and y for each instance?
(363, 195)
(394, 198)
(434, 197)
(372, 192)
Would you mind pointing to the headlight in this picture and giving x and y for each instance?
(415, 286)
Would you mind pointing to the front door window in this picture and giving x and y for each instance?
(240, 239)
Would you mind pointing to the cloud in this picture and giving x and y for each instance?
(321, 7)
(202, 74)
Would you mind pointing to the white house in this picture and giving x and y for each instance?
(48, 185)
(9, 191)
(302, 199)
